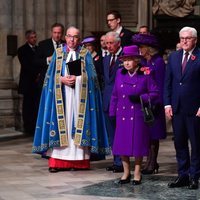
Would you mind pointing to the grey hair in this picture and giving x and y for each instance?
(73, 27)
(115, 35)
(188, 29)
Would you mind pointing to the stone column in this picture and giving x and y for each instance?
(61, 12)
(7, 85)
(40, 19)
(142, 13)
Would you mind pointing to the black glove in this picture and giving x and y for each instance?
(134, 98)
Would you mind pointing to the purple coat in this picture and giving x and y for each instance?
(157, 65)
(132, 137)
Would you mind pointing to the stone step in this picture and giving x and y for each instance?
(9, 133)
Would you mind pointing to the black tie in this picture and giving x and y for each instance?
(33, 48)
(185, 61)
(112, 63)
(57, 44)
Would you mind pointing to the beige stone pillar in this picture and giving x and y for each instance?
(61, 12)
(40, 19)
(142, 13)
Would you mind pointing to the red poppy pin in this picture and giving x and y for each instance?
(193, 57)
(96, 58)
(121, 34)
(145, 70)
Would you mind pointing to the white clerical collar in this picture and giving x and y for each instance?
(71, 55)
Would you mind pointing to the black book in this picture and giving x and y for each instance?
(74, 67)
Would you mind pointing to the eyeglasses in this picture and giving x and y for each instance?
(73, 37)
(110, 20)
(186, 38)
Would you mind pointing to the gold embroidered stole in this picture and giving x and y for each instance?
(82, 101)
(59, 99)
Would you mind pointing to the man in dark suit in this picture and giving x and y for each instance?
(111, 64)
(114, 23)
(47, 47)
(182, 104)
(28, 83)
(144, 30)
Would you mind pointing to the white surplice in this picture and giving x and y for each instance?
(72, 96)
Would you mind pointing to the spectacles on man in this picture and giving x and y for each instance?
(72, 36)
(186, 38)
(110, 20)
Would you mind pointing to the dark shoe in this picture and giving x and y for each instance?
(111, 168)
(124, 181)
(180, 181)
(193, 185)
(151, 171)
(53, 170)
(118, 169)
(137, 182)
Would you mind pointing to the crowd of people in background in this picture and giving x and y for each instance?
(83, 99)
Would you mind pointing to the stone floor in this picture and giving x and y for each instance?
(25, 176)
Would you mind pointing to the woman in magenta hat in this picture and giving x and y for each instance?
(149, 49)
(132, 134)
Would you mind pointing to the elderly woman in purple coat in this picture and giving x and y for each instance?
(149, 49)
(132, 136)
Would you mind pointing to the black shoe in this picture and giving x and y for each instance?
(137, 182)
(118, 169)
(53, 170)
(194, 184)
(124, 181)
(154, 170)
(180, 181)
(110, 168)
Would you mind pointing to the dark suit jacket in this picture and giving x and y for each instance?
(126, 37)
(183, 90)
(109, 80)
(29, 70)
(45, 49)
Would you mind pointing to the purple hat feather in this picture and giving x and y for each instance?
(145, 39)
(89, 39)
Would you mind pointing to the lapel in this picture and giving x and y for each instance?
(178, 66)
(116, 66)
(106, 66)
(191, 62)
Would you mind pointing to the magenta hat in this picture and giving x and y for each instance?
(88, 39)
(130, 51)
(145, 39)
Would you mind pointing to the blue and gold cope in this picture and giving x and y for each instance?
(90, 129)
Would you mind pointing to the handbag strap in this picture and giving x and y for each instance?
(142, 103)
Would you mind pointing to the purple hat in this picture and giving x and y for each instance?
(88, 39)
(130, 51)
(145, 39)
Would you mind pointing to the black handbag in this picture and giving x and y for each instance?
(147, 111)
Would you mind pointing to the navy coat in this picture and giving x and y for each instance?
(183, 88)
(109, 80)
